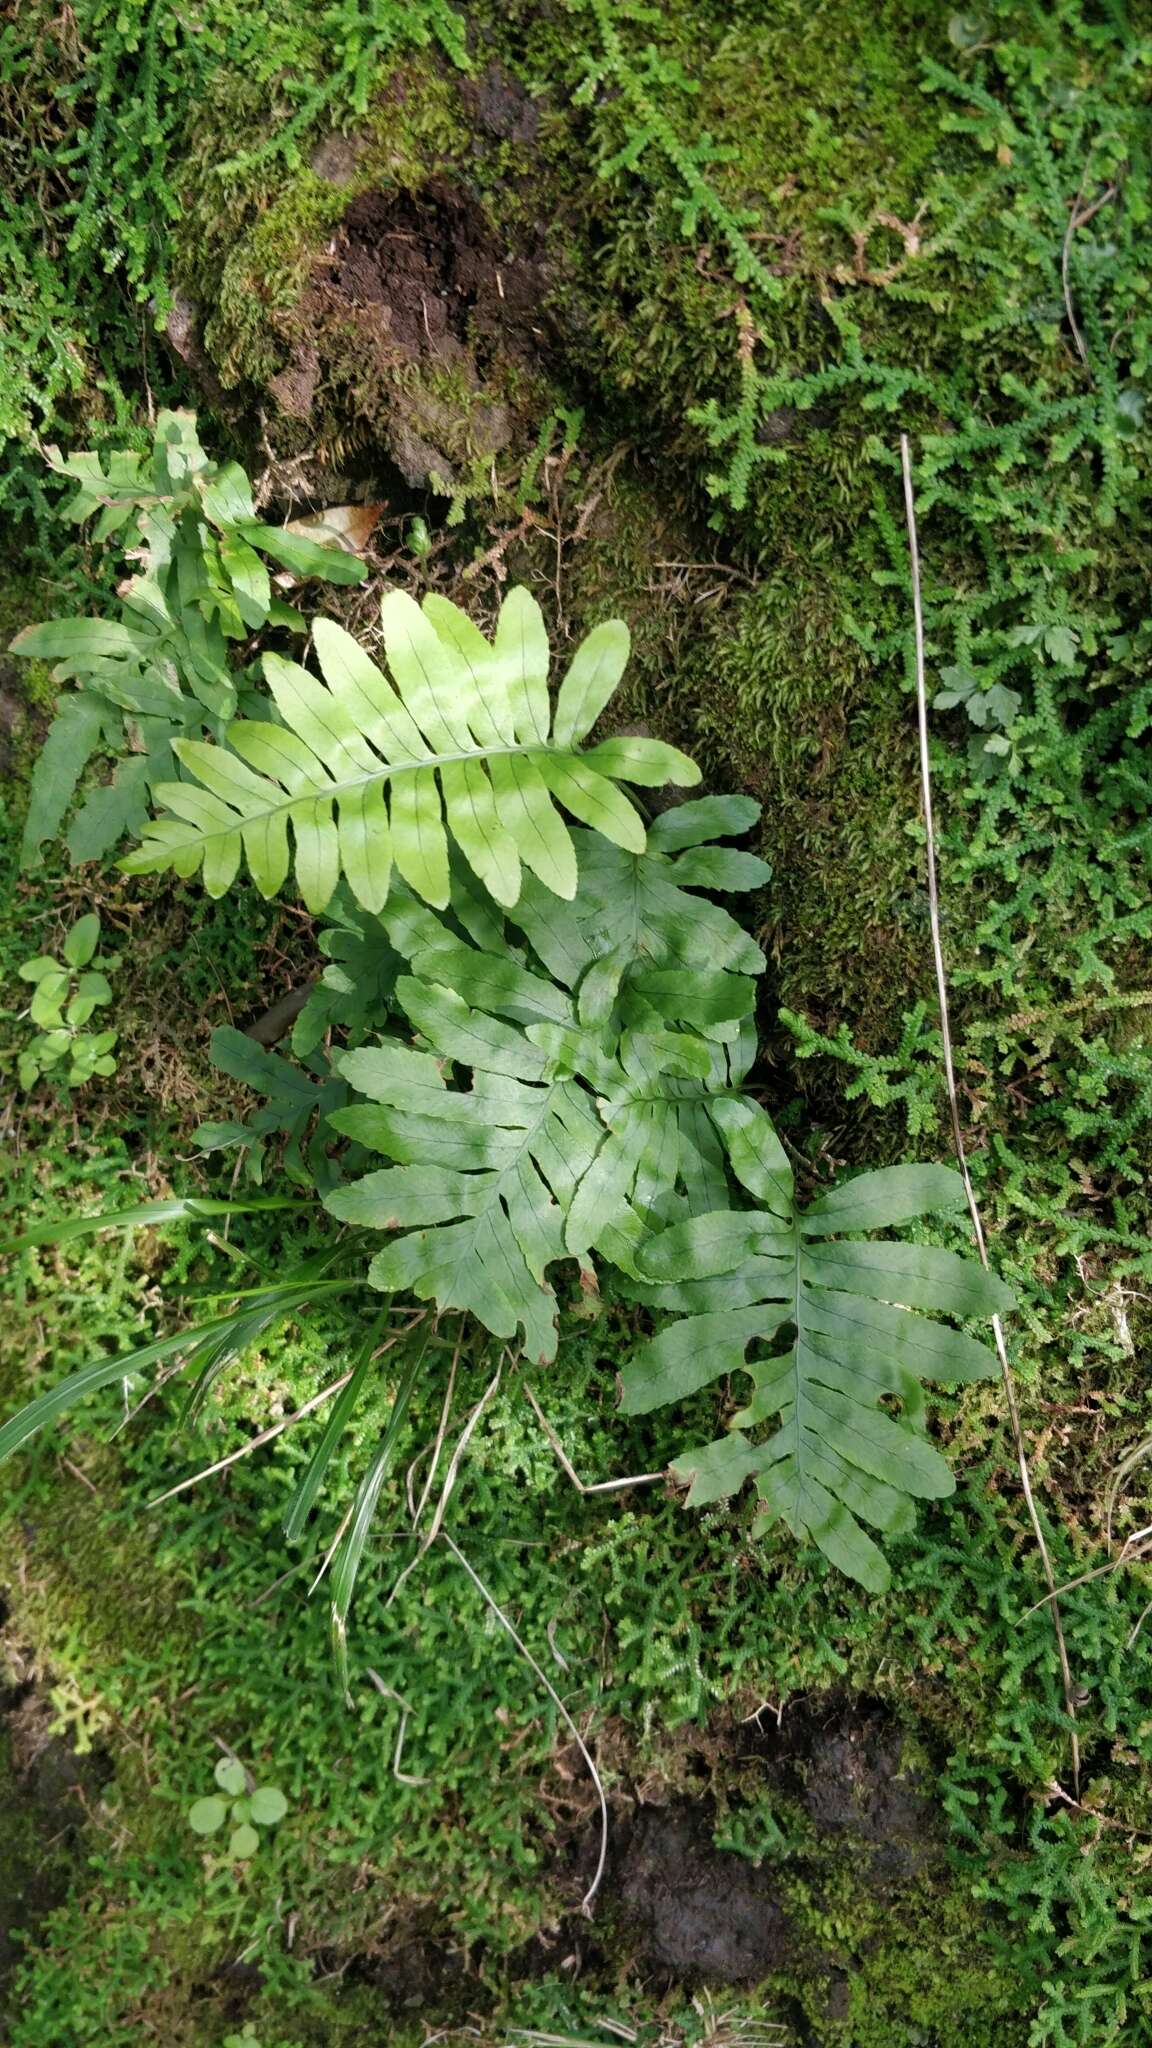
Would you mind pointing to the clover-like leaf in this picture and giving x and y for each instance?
(207, 1815)
(267, 1806)
(47, 997)
(243, 1842)
(230, 1776)
(82, 940)
(35, 970)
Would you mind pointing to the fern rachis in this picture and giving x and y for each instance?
(465, 747)
(847, 1312)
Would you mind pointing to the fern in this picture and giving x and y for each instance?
(369, 776)
(160, 672)
(637, 943)
(574, 1044)
(561, 1143)
(845, 1310)
(295, 1100)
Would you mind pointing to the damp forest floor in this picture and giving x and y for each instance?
(631, 305)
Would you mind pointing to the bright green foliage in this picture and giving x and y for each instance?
(647, 83)
(559, 1145)
(661, 954)
(160, 671)
(466, 746)
(65, 995)
(586, 1120)
(600, 1104)
(911, 1074)
(752, 1276)
(248, 1808)
(661, 1615)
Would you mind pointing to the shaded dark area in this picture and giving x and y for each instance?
(421, 316)
(46, 1788)
(439, 277)
(675, 1906)
(702, 1912)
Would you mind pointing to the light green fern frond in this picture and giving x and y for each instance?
(563, 1142)
(371, 776)
(837, 1333)
(636, 945)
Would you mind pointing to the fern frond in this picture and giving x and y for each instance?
(562, 1143)
(635, 944)
(846, 1310)
(370, 776)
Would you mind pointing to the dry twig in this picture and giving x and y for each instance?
(495, 1607)
(954, 1111)
(600, 1485)
(1078, 218)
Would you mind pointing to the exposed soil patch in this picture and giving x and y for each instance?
(500, 105)
(839, 1768)
(415, 319)
(421, 1969)
(858, 1786)
(16, 715)
(439, 278)
(45, 1788)
(848, 1763)
(704, 1912)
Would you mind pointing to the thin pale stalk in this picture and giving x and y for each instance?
(254, 1444)
(954, 1111)
(598, 1485)
(433, 1530)
(550, 1689)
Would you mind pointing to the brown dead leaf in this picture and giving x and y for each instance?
(349, 526)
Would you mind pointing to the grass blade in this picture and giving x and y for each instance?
(176, 1209)
(304, 1499)
(100, 1372)
(351, 1551)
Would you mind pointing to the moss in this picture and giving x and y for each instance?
(921, 1965)
(27, 691)
(763, 680)
(770, 687)
(31, 1875)
(246, 246)
(262, 275)
(826, 740)
(744, 651)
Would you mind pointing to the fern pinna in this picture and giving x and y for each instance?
(834, 1322)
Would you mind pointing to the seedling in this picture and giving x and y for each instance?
(247, 1809)
(65, 995)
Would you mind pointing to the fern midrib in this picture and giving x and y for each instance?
(338, 789)
(797, 1378)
